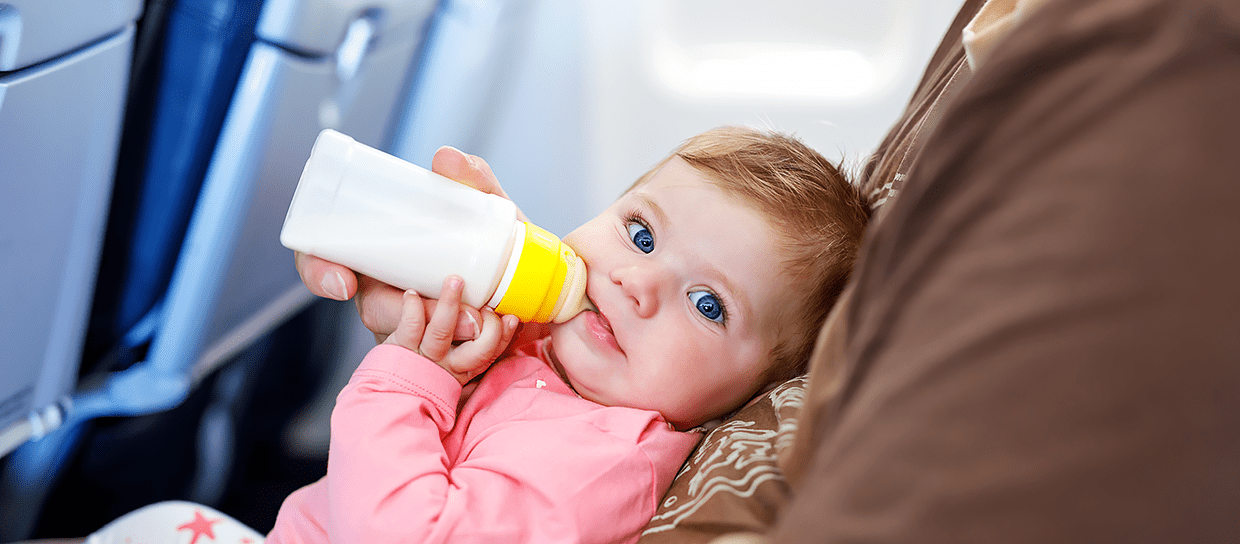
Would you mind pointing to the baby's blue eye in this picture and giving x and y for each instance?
(708, 305)
(641, 237)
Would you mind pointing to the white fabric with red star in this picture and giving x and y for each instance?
(175, 522)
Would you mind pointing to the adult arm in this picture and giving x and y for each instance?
(1041, 346)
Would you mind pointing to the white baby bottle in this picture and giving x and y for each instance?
(409, 227)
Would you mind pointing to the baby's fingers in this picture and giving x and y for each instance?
(437, 340)
(474, 357)
(466, 321)
(412, 324)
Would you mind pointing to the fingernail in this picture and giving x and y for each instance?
(468, 158)
(473, 324)
(333, 285)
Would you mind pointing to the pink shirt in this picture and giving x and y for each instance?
(525, 460)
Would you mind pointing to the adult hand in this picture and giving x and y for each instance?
(378, 303)
(470, 170)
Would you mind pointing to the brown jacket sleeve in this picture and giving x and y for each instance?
(881, 180)
(1041, 340)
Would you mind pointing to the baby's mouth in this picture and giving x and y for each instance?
(597, 325)
(604, 322)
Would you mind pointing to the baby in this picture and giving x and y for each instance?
(711, 276)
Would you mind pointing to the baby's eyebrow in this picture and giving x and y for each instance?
(739, 297)
(659, 215)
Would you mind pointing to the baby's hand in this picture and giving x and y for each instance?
(433, 339)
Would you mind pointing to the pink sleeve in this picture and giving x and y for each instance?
(389, 480)
(387, 472)
(386, 459)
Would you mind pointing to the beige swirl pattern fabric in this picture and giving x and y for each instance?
(732, 482)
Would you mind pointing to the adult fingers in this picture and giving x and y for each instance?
(379, 306)
(470, 170)
(324, 278)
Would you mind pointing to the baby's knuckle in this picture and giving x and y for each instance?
(439, 336)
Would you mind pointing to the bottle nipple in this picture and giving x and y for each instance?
(547, 281)
(572, 299)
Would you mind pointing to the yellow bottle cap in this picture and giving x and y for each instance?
(548, 282)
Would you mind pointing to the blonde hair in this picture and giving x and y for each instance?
(816, 211)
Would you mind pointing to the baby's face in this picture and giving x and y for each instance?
(690, 293)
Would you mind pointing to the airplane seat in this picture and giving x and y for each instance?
(62, 90)
(187, 61)
(64, 66)
(194, 279)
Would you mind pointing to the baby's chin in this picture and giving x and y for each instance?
(554, 358)
(555, 329)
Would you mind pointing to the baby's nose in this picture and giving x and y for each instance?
(643, 285)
